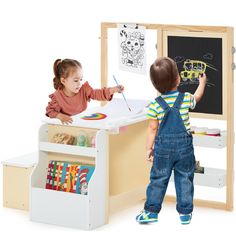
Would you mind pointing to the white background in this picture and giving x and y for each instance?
(35, 33)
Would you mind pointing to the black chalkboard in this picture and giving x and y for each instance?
(195, 55)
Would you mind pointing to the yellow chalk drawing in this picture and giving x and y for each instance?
(194, 68)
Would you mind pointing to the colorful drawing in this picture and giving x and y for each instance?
(193, 68)
(94, 116)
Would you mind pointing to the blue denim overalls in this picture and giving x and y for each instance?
(173, 150)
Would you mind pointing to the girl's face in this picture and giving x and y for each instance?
(72, 83)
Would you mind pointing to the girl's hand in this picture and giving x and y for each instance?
(117, 89)
(150, 155)
(120, 88)
(65, 119)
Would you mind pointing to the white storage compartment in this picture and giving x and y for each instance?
(210, 141)
(211, 178)
(65, 208)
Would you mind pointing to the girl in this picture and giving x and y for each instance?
(71, 96)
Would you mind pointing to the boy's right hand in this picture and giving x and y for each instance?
(201, 87)
(150, 155)
(202, 78)
(65, 119)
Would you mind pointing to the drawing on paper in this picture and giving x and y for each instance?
(132, 53)
(94, 116)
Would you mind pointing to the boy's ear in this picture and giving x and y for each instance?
(178, 80)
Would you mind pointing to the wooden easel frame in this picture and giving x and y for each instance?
(228, 113)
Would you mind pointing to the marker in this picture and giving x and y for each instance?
(121, 92)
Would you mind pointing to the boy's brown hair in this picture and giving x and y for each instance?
(164, 74)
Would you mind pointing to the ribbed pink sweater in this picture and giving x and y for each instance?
(60, 103)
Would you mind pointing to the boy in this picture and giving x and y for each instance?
(173, 148)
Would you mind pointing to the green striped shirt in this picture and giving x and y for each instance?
(155, 111)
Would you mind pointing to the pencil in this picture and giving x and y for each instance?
(121, 92)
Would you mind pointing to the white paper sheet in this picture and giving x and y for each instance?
(116, 111)
(132, 48)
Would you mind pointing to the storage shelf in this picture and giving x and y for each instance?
(209, 141)
(69, 209)
(211, 177)
(67, 149)
(55, 206)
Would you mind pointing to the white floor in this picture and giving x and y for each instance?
(214, 222)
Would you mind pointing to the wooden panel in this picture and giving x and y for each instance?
(230, 122)
(16, 187)
(127, 159)
(192, 28)
(202, 203)
(104, 58)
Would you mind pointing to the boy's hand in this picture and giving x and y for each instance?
(201, 87)
(150, 155)
(65, 119)
(202, 78)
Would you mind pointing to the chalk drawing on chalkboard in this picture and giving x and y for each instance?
(194, 68)
(208, 56)
(209, 50)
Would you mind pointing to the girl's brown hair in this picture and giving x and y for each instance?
(164, 74)
(63, 68)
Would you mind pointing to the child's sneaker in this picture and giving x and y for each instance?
(185, 218)
(147, 217)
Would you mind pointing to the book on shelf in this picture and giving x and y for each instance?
(70, 177)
